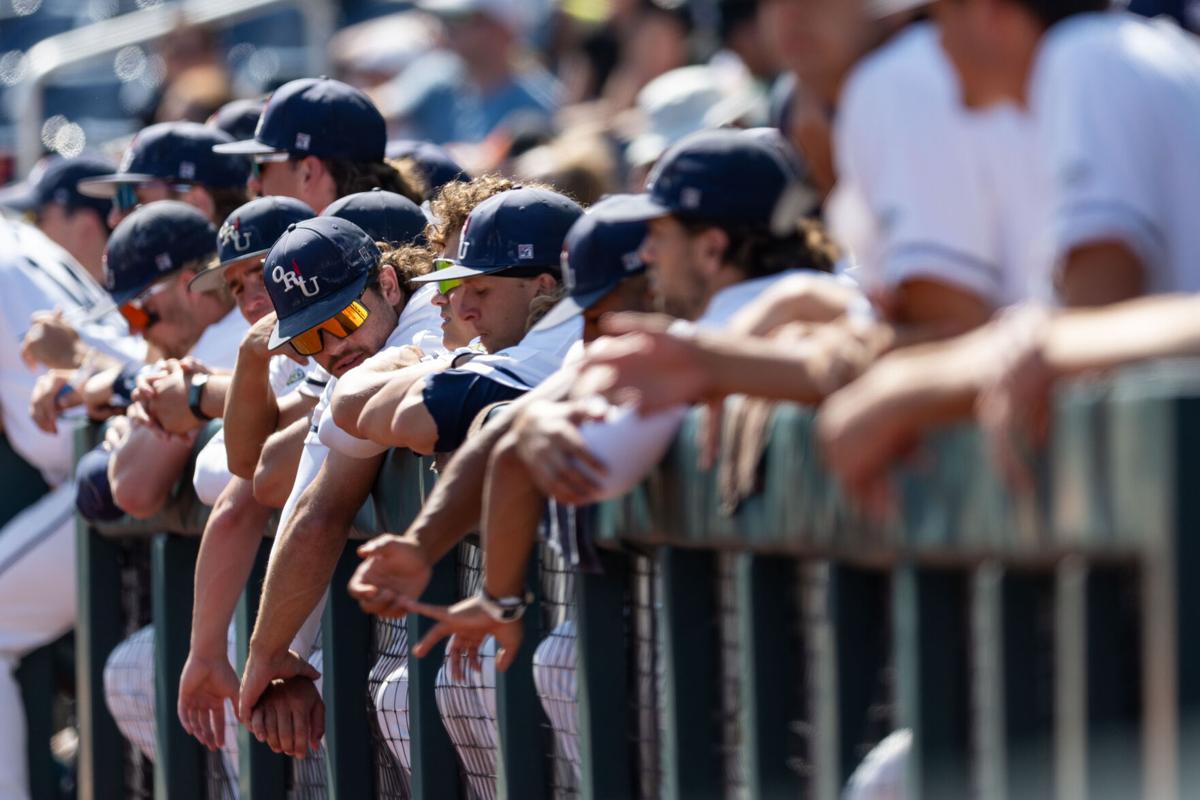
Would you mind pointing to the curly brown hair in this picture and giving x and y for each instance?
(456, 200)
(408, 261)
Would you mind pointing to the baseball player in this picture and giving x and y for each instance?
(317, 140)
(236, 525)
(37, 547)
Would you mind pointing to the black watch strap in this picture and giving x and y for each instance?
(196, 396)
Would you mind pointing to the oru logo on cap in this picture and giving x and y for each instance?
(294, 280)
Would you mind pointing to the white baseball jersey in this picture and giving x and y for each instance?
(37, 275)
(1115, 99)
(924, 184)
(218, 345)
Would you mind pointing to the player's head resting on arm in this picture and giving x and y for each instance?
(509, 253)
(243, 240)
(150, 261)
(334, 298)
(602, 269)
(319, 139)
(723, 207)
(174, 161)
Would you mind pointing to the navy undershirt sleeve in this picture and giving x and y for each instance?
(455, 397)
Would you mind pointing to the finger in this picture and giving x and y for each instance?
(316, 730)
(271, 728)
(435, 635)
(473, 660)
(300, 733)
(505, 657)
(218, 724)
(710, 434)
(631, 322)
(205, 726)
(252, 689)
(374, 546)
(27, 355)
(284, 726)
(256, 725)
(455, 654)
(440, 613)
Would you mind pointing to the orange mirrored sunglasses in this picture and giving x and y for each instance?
(341, 325)
(138, 317)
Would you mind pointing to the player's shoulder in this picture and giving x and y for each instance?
(911, 66)
(907, 86)
(1112, 50)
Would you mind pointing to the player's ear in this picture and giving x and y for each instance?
(389, 286)
(546, 283)
(711, 245)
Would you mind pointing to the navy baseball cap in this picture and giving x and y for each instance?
(249, 232)
(178, 152)
(723, 176)
(434, 163)
(517, 233)
(316, 269)
(597, 255)
(238, 118)
(385, 216)
(316, 117)
(55, 179)
(155, 240)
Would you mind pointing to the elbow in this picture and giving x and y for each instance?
(345, 414)
(240, 464)
(412, 426)
(138, 499)
(271, 485)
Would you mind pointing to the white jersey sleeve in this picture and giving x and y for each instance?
(910, 203)
(1116, 102)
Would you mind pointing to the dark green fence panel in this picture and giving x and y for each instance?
(524, 731)
(180, 768)
(690, 647)
(347, 648)
(603, 681)
(262, 774)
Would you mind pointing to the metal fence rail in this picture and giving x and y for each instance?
(1036, 647)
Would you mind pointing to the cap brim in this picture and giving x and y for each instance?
(458, 272)
(19, 197)
(635, 208)
(246, 147)
(211, 279)
(311, 316)
(570, 307)
(104, 187)
(450, 8)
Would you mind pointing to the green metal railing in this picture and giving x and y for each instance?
(1037, 647)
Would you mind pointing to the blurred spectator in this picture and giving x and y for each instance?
(371, 53)
(195, 95)
(466, 93)
(579, 165)
(238, 118)
(435, 165)
(192, 58)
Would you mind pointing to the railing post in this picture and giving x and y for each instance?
(179, 771)
(262, 774)
(931, 639)
(770, 664)
(434, 767)
(521, 724)
(690, 648)
(603, 688)
(37, 675)
(857, 613)
(98, 630)
(347, 649)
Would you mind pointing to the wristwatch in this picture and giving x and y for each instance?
(196, 394)
(505, 609)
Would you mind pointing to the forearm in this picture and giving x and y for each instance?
(359, 385)
(512, 508)
(144, 470)
(1148, 328)
(301, 566)
(212, 399)
(227, 551)
(252, 413)
(453, 509)
(375, 420)
(308, 548)
(276, 470)
(762, 368)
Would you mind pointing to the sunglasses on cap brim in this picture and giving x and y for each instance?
(445, 287)
(341, 325)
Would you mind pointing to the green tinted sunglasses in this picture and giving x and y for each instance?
(445, 287)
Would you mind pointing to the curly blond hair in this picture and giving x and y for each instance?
(457, 199)
(408, 261)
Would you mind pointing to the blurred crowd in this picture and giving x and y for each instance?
(526, 239)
